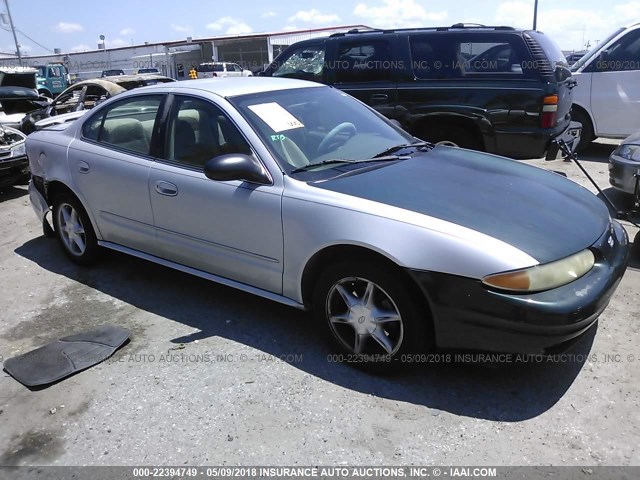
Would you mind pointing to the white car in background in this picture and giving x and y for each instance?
(222, 69)
(607, 98)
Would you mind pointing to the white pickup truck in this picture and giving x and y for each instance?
(607, 98)
(222, 69)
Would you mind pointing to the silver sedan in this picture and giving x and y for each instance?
(299, 193)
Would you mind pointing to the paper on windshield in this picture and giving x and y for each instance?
(274, 115)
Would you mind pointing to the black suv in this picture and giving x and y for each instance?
(496, 89)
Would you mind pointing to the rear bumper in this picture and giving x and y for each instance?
(467, 315)
(535, 143)
(11, 171)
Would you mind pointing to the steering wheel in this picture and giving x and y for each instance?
(333, 139)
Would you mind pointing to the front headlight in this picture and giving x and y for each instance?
(19, 150)
(628, 151)
(543, 277)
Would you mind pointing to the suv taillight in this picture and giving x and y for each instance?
(549, 116)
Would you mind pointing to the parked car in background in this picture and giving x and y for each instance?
(397, 245)
(112, 73)
(85, 95)
(18, 95)
(14, 166)
(221, 69)
(607, 99)
(574, 57)
(52, 79)
(142, 71)
(495, 89)
(624, 164)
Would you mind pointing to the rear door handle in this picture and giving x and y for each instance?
(166, 188)
(83, 167)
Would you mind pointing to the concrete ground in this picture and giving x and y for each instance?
(215, 376)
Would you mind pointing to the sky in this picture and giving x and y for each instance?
(75, 25)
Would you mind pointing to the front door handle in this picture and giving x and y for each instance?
(166, 188)
(379, 97)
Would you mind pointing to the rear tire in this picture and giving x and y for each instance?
(587, 136)
(453, 136)
(74, 231)
(373, 316)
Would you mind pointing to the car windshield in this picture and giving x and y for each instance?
(585, 58)
(318, 124)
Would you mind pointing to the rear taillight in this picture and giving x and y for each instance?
(549, 116)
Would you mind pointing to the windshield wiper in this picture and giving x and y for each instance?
(395, 148)
(319, 164)
(382, 158)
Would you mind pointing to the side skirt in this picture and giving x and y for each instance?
(207, 276)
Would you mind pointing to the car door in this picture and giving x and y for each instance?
(364, 68)
(615, 87)
(234, 70)
(110, 163)
(231, 229)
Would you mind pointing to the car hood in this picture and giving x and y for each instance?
(539, 212)
(16, 99)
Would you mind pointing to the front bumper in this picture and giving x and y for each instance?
(38, 202)
(467, 315)
(12, 170)
(622, 173)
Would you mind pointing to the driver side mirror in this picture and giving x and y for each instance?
(236, 166)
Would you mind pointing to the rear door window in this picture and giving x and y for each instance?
(126, 125)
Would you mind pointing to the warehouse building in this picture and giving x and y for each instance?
(175, 58)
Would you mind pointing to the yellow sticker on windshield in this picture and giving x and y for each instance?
(274, 115)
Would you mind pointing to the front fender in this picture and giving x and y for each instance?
(314, 219)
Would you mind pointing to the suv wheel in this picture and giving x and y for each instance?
(74, 231)
(453, 136)
(587, 136)
(371, 314)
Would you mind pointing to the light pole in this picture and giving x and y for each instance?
(535, 15)
(13, 30)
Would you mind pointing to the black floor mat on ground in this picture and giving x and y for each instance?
(66, 356)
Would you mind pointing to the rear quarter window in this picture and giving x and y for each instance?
(469, 56)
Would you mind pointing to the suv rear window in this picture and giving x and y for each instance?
(459, 56)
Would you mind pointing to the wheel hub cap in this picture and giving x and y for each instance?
(363, 317)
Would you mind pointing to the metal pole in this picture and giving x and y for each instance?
(13, 30)
(535, 15)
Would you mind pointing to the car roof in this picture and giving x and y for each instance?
(232, 87)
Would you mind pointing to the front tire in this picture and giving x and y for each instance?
(587, 135)
(373, 315)
(74, 231)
